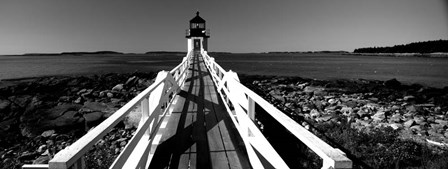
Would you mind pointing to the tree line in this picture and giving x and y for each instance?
(416, 47)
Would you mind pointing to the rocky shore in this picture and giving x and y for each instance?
(40, 116)
(414, 112)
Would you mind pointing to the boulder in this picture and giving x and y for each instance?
(58, 111)
(68, 119)
(132, 120)
(392, 83)
(411, 109)
(373, 99)
(319, 105)
(131, 81)
(28, 155)
(81, 91)
(21, 100)
(47, 133)
(396, 126)
(102, 94)
(34, 122)
(97, 106)
(6, 124)
(332, 101)
(395, 118)
(362, 113)
(351, 104)
(416, 128)
(315, 113)
(443, 123)
(92, 118)
(4, 104)
(42, 148)
(379, 116)
(42, 160)
(419, 119)
(117, 87)
(278, 97)
(346, 110)
(408, 98)
(431, 119)
(79, 100)
(408, 123)
(325, 118)
(314, 90)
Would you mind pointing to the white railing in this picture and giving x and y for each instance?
(243, 100)
(153, 103)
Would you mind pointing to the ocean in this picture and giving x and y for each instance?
(327, 66)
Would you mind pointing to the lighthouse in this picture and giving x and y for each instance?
(197, 34)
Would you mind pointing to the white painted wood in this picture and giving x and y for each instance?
(35, 166)
(137, 153)
(332, 157)
(67, 157)
(251, 108)
(72, 156)
(256, 138)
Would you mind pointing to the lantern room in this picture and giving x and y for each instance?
(197, 34)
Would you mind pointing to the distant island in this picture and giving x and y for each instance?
(436, 46)
(72, 53)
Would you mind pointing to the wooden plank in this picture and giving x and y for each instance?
(167, 151)
(185, 140)
(199, 132)
(235, 154)
(198, 127)
(217, 151)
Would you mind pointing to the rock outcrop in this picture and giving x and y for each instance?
(40, 116)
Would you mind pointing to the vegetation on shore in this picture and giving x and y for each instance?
(436, 46)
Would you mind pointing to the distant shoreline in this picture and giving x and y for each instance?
(430, 55)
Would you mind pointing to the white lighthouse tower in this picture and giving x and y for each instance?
(197, 35)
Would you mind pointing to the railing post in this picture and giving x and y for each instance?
(251, 108)
(144, 106)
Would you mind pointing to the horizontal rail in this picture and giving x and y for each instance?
(35, 166)
(151, 100)
(242, 99)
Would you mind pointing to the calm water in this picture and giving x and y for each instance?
(427, 71)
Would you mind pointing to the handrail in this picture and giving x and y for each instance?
(243, 100)
(153, 102)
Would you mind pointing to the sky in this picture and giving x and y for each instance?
(137, 26)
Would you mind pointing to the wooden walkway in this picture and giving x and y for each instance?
(199, 132)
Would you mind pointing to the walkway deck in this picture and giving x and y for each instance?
(199, 132)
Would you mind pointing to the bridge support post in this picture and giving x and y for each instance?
(251, 108)
(144, 106)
